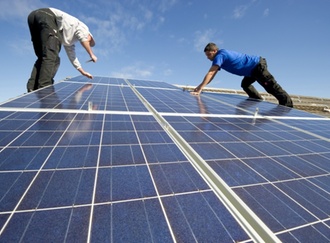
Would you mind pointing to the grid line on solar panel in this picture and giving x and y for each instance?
(66, 171)
(235, 127)
(79, 96)
(224, 138)
(244, 104)
(301, 211)
(253, 133)
(97, 80)
(249, 221)
(296, 169)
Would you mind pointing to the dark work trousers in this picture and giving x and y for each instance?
(47, 45)
(261, 74)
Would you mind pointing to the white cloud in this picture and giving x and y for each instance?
(239, 11)
(107, 33)
(148, 15)
(120, 20)
(168, 72)
(18, 8)
(21, 47)
(137, 70)
(203, 37)
(266, 12)
(164, 5)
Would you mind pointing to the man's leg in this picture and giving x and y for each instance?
(249, 88)
(50, 57)
(36, 41)
(47, 46)
(266, 80)
(32, 83)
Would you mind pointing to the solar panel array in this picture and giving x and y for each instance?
(123, 160)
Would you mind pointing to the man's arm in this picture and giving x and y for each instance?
(70, 50)
(207, 79)
(87, 47)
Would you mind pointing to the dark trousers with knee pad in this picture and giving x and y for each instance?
(47, 45)
(261, 74)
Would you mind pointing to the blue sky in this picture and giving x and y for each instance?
(164, 40)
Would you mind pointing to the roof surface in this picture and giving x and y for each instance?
(315, 105)
(124, 160)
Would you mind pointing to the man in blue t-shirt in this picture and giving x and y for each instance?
(253, 68)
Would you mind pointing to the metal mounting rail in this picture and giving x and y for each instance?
(255, 228)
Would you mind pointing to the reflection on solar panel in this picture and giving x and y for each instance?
(116, 160)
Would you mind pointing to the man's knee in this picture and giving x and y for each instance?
(246, 82)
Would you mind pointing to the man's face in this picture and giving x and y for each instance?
(210, 54)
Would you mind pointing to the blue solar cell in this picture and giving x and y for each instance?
(163, 153)
(316, 145)
(134, 160)
(72, 157)
(141, 217)
(120, 137)
(312, 232)
(300, 166)
(312, 198)
(13, 187)
(154, 137)
(80, 138)
(236, 173)
(113, 184)
(276, 209)
(250, 136)
(271, 169)
(211, 151)
(177, 178)
(121, 155)
(40, 228)
(148, 84)
(241, 150)
(319, 127)
(37, 138)
(222, 136)
(293, 147)
(268, 148)
(29, 158)
(7, 137)
(187, 212)
(322, 181)
(62, 188)
(196, 136)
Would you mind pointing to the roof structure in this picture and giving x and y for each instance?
(125, 160)
(315, 105)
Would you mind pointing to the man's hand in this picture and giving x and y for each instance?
(196, 91)
(88, 75)
(207, 79)
(93, 58)
(82, 71)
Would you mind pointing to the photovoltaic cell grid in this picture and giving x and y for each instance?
(87, 160)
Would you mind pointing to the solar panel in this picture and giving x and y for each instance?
(124, 160)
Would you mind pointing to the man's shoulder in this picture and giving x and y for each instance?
(227, 53)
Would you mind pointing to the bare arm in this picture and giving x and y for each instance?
(207, 79)
(86, 45)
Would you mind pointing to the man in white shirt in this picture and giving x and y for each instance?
(50, 28)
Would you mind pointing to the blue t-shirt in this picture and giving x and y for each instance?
(235, 63)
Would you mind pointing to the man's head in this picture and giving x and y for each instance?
(210, 51)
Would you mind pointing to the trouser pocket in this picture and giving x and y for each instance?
(53, 43)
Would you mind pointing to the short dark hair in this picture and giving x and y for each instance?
(211, 47)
